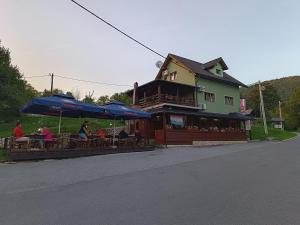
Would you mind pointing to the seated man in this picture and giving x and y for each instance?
(19, 134)
(123, 134)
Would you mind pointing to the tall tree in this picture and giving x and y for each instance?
(14, 90)
(292, 110)
(270, 96)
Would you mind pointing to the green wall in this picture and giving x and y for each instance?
(220, 90)
(214, 70)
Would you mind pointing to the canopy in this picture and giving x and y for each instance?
(118, 110)
(62, 105)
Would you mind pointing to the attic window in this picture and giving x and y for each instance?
(218, 71)
(173, 75)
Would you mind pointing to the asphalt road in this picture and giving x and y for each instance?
(256, 183)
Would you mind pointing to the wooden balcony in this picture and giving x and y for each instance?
(165, 98)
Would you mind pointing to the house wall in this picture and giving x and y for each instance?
(214, 69)
(183, 75)
(220, 90)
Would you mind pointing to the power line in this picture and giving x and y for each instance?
(117, 29)
(94, 82)
(122, 32)
(37, 76)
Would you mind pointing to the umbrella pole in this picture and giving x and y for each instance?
(114, 133)
(59, 124)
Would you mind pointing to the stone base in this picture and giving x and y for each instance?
(210, 143)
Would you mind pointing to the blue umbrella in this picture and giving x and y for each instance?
(62, 106)
(118, 110)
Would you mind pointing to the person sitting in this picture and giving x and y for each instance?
(123, 134)
(47, 134)
(84, 131)
(138, 136)
(19, 134)
(100, 133)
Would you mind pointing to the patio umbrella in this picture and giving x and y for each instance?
(117, 110)
(62, 106)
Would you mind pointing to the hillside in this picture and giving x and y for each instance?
(284, 86)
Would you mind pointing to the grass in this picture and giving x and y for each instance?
(2, 155)
(31, 123)
(276, 134)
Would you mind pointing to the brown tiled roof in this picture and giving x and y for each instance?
(214, 62)
(200, 69)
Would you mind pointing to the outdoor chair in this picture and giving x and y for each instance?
(14, 145)
(53, 144)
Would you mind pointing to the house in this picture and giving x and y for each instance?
(191, 102)
(278, 123)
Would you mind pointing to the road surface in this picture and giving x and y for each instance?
(255, 183)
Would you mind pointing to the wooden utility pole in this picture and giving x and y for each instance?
(262, 107)
(51, 82)
(280, 115)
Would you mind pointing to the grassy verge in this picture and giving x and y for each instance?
(31, 123)
(276, 134)
(2, 155)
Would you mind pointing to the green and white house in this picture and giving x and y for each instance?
(189, 96)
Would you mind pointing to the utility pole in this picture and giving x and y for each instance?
(280, 115)
(262, 107)
(51, 74)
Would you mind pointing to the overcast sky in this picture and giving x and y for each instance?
(257, 39)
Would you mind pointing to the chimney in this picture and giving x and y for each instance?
(134, 96)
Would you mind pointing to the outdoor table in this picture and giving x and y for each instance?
(35, 139)
(94, 140)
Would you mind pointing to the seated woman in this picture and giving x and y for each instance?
(100, 133)
(84, 131)
(47, 135)
(19, 134)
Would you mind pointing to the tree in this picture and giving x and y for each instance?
(122, 97)
(292, 110)
(270, 96)
(103, 99)
(47, 93)
(89, 98)
(14, 90)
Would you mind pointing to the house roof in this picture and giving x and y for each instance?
(213, 62)
(277, 120)
(183, 111)
(202, 69)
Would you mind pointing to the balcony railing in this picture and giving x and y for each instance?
(165, 98)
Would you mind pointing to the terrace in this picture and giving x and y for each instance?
(160, 91)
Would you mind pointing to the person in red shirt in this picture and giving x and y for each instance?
(19, 134)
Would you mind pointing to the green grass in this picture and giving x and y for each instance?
(31, 123)
(277, 134)
(2, 155)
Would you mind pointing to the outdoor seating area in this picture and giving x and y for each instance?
(63, 141)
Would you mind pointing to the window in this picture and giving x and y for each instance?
(218, 71)
(173, 75)
(228, 100)
(209, 97)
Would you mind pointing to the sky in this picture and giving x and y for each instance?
(259, 40)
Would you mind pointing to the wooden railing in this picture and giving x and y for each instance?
(165, 98)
